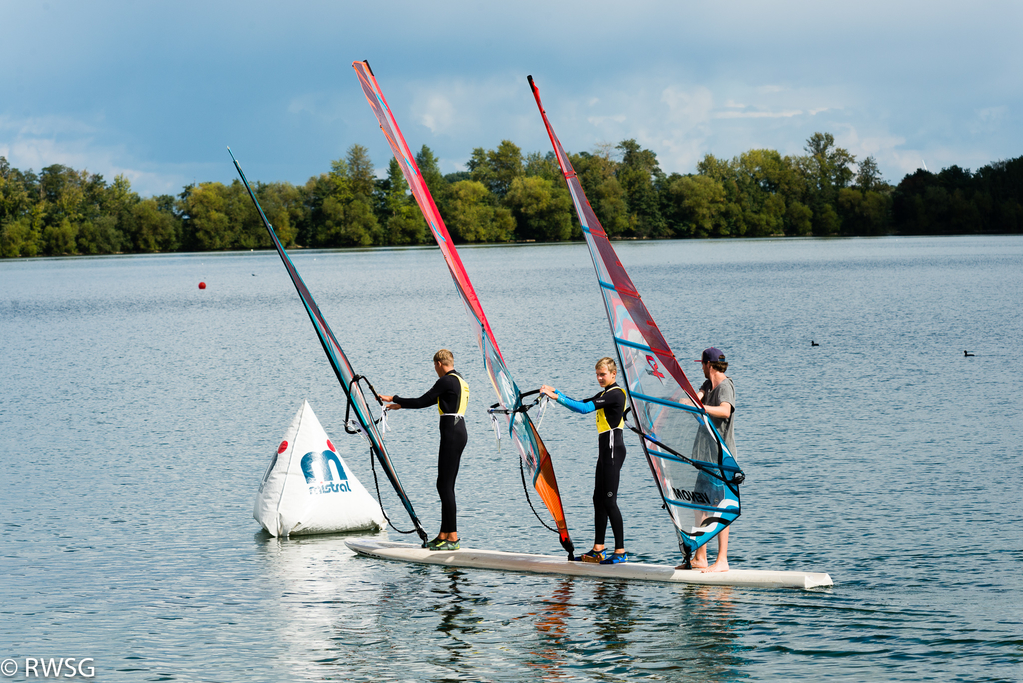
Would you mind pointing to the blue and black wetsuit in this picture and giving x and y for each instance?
(451, 396)
(610, 406)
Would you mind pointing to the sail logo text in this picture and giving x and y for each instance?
(691, 496)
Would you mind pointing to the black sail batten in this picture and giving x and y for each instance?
(346, 376)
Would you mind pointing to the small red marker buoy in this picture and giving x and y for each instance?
(283, 447)
(331, 446)
(202, 285)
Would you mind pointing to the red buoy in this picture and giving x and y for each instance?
(283, 447)
(202, 285)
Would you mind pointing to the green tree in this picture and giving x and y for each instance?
(472, 217)
(403, 221)
(17, 238)
(15, 192)
(497, 168)
(542, 210)
(59, 238)
(597, 172)
(207, 226)
(640, 175)
(826, 169)
(359, 171)
(282, 205)
(339, 209)
(697, 204)
(868, 176)
(153, 229)
(430, 170)
(864, 212)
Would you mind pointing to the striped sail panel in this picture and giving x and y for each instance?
(339, 362)
(695, 472)
(516, 425)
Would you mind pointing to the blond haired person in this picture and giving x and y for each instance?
(451, 396)
(609, 405)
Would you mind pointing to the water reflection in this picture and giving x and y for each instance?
(458, 618)
(318, 597)
(706, 634)
(551, 623)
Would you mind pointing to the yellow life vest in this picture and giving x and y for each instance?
(463, 400)
(602, 425)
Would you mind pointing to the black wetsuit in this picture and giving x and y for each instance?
(450, 394)
(610, 406)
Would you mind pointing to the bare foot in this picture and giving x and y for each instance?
(692, 565)
(719, 566)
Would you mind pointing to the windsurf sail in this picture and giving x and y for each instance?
(514, 420)
(697, 476)
(339, 362)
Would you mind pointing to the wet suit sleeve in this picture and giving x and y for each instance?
(428, 399)
(608, 399)
(582, 407)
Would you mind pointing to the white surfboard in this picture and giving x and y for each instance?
(309, 489)
(545, 564)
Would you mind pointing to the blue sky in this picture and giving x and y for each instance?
(157, 90)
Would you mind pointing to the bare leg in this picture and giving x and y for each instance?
(721, 561)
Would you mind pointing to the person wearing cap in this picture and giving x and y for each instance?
(718, 396)
(609, 405)
(451, 396)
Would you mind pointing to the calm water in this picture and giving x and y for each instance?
(138, 414)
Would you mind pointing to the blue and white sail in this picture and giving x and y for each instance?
(697, 476)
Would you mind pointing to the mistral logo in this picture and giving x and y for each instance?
(319, 474)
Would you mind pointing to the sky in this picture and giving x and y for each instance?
(156, 91)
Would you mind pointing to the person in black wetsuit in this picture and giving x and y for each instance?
(451, 396)
(610, 407)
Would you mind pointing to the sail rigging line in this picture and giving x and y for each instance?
(665, 407)
(373, 392)
(341, 366)
(520, 428)
(376, 484)
(525, 490)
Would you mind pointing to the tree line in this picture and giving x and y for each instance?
(504, 195)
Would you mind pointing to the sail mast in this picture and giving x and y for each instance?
(339, 362)
(516, 422)
(696, 474)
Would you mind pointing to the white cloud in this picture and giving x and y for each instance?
(38, 142)
(758, 114)
(438, 114)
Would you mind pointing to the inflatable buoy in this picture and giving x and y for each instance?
(202, 285)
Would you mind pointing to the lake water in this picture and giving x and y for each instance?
(138, 413)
